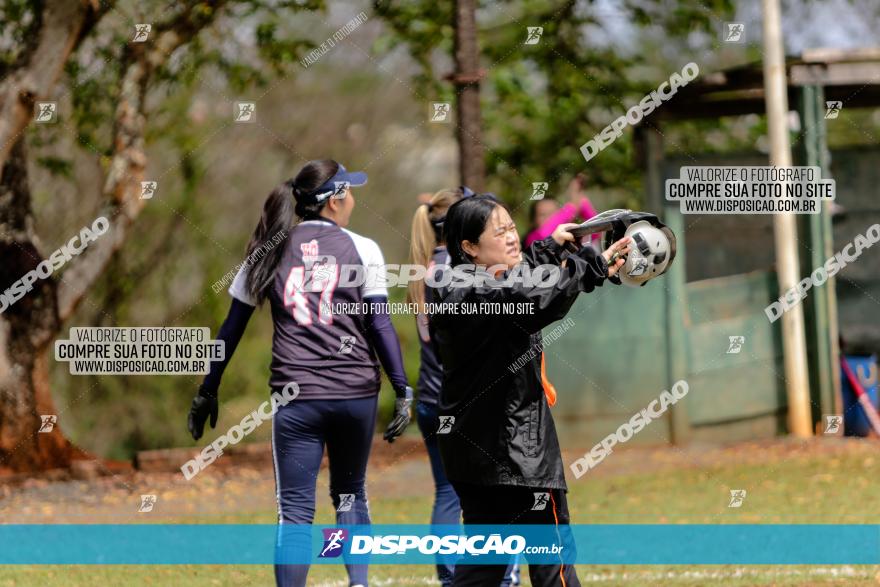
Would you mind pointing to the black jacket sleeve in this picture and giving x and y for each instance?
(230, 333)
(544, 252)
(580, 271)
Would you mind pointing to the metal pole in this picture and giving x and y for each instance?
(785, 229)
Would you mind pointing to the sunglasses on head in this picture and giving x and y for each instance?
(467, 192)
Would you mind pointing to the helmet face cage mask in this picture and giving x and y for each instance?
(652, 249)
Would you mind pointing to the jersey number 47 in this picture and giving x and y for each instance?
(320, 279)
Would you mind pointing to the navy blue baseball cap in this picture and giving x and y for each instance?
(333, 187)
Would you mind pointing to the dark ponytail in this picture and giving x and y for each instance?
(279, 211)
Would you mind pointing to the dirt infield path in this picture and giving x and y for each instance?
(217, 492)
(823, 480)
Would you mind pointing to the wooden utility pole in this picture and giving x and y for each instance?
(467, 75)
(784, 227)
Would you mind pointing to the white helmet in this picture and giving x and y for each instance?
(650, 254)
(653, 243)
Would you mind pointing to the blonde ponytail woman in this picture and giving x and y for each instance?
(427, 249)
(426, 242)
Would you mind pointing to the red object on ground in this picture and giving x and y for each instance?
(864, 398)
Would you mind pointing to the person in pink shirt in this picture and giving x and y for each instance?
(546, 215)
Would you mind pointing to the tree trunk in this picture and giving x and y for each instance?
(29, 326)
(467, 79)
(61, 25)
(26, 330)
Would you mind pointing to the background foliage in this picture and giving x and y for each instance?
(364, 103)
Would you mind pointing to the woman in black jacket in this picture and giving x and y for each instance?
(501, 452)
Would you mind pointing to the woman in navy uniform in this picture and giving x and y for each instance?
(331, 357)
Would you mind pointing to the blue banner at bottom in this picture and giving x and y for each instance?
(617, 544)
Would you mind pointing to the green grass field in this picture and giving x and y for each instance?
(822, 481)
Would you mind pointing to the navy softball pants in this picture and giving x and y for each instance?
(447, 509)
(300, 430)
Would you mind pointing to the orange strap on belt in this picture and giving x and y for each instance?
(549, 390)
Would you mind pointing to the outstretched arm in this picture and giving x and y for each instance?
(230, 333)
(579, 271)
(205, 403)
(384, 340)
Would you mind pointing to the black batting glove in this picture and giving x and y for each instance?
(402, 415)
(204, 404)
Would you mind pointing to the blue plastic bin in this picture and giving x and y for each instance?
(855, 422)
